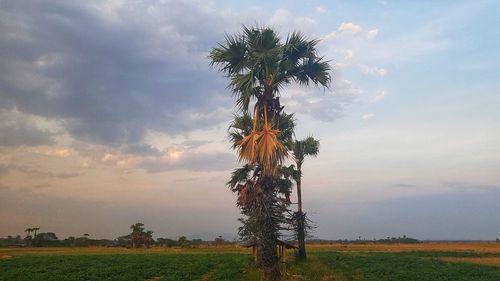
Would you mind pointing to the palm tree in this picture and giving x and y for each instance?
(259, 65)
(35, 229)
(300, 149)
(28, 236)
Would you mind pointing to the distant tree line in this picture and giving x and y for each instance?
(388, 240)
(138, 238)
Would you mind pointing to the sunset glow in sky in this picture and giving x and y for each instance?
(110, 114)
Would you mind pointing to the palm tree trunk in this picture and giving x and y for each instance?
(269, 257)
(301, 233)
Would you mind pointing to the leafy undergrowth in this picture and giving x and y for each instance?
(407, 266)
(220, 266)
(400, 266)
(162, 267)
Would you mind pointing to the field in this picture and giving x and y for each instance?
(453, 262)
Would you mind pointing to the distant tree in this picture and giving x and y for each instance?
(148, 238)
(28, 237)
(498, 240)
(166, 242)
(139, 236)
(137, 231)
(46, 239)
(219, 240)
(70, 241)
(184, 242)
(196, 242)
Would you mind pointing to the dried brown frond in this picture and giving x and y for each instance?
(249, 194)
(271, 152)
(247, 147)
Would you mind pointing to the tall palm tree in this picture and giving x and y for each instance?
(259, 65)
(300, 149)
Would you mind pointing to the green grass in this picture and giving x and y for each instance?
(218, 265)
(171, 267)
(407, 266)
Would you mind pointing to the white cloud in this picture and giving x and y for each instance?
(349, 28)
(367, 116)
(325, 106)
(372, 70)
(330, 36)
(320, 10)
(379, 96)
(345, 59)
(372, 34)
(282, 18)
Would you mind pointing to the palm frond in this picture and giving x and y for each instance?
(231, 56)
(238, 176)
(248, 147)
(271, 152)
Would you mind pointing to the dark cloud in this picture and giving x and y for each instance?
(22, 134)
(112, 74)
(141, 149)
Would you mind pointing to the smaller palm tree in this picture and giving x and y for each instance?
(300, 149)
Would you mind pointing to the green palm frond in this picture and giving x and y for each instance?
(257, 62)
(306, 147)
(239, 176)
(231, 56)
(314, 70)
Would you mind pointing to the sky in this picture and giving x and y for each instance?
(110, 114)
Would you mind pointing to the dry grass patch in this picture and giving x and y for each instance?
(445, 247)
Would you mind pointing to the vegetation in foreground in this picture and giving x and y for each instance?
(219, 264)
(171, 267)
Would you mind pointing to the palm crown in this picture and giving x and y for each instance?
(259, 65)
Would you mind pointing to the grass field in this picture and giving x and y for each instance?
(453, 262)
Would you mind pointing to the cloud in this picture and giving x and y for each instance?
(110, 73)
(367, 116)
(17, 129)
(197, 161)
(326, 106)
(345, 58)
(349, 28)
(37, 171)
(379, 96)
(320, 10)
(372, 70)
(330, 36)
(283, 19)
(371, 34)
